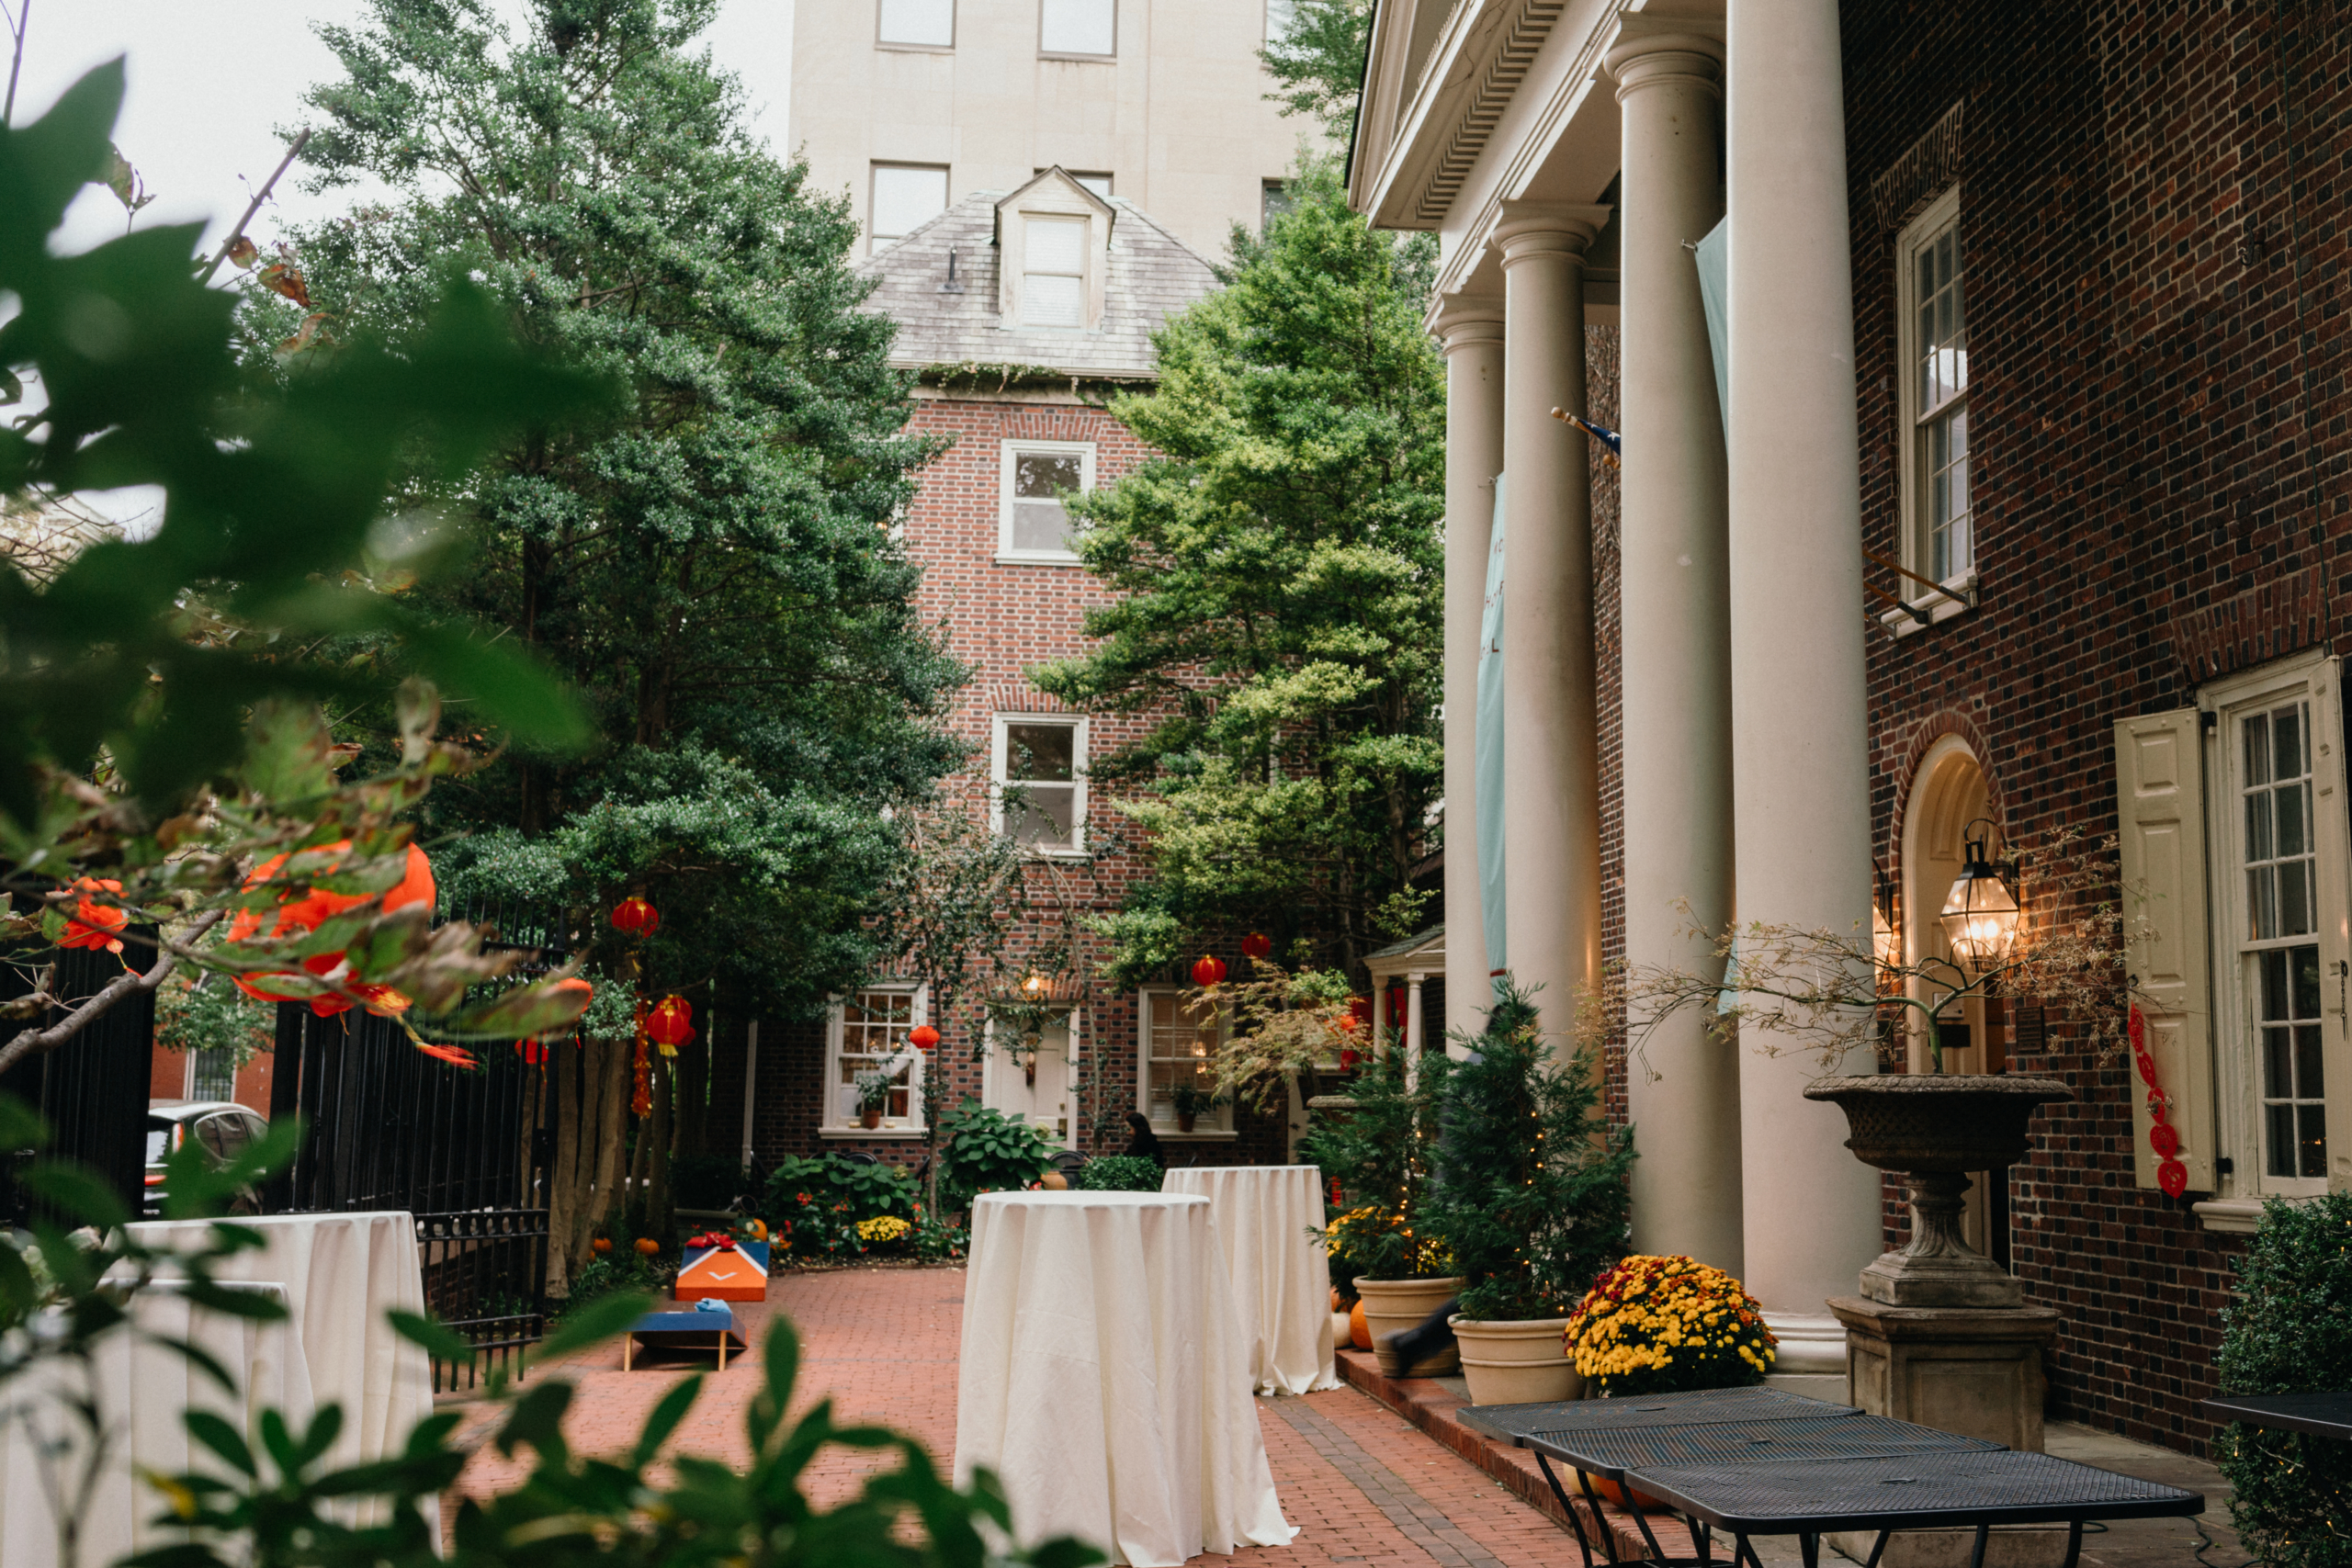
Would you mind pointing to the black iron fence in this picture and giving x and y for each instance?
(92, 1090)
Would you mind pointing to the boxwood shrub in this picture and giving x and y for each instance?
(1119, 1173)
(2290, 1331)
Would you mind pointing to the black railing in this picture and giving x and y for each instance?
(485, 1279)
(92, 1090)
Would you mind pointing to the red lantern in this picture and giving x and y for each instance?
(1256, 945)
(670, 1024)
(1359, 1011)
(634, 917)
(533, 1050)
(95, 925)
(924, 1036)
(1208, 971)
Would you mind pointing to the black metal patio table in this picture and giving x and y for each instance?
(1922, 1491)
(2321, 1415)
(1514, 1423)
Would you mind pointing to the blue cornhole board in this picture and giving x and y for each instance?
(682, 1331)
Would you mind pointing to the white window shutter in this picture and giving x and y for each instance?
(2160, 814)
(2331, 834)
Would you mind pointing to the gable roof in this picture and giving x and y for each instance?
(1151, 274)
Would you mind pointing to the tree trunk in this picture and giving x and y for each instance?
(693, 1092)
(565, 1191)
(611, 1061)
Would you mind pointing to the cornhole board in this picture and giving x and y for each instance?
(718, 1273)
(682, 1331)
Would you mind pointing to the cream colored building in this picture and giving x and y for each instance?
(911, 105)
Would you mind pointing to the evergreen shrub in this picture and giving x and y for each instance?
(1378, 1152)
(1119, 1173)
(2290, 1331)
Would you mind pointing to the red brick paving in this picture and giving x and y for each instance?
(1365, 1486)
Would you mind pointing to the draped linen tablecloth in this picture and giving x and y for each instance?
(1105, 1377)
(342, 1273)
(141, 1391)
(1282, 1280)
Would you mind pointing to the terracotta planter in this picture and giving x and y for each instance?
(1934, 1128)
(1391, 1306)
(872, 1117)
(1184, 1121)
(1516, 1361)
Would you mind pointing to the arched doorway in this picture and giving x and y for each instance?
(1947, 792)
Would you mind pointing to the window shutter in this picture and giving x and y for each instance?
(2160, 814)
(2332, 829)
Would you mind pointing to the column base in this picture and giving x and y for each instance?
(1976, 1371)
(1810, 1359)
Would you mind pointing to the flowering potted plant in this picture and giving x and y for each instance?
(1530, 1200)
(1668, 1325)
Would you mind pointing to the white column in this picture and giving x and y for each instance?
(1413, 1026)
(1800, 718)
(1552, 809)
(1675, 640)
(1471, 330)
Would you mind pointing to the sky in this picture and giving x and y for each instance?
(211, 82)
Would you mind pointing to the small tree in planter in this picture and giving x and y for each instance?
(1382, 1248)
(1530, 1199)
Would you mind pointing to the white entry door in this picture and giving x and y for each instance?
(1045, 1104)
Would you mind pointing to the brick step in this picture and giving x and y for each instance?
(1430, 1406)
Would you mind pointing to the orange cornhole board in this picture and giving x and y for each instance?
(739, 1273)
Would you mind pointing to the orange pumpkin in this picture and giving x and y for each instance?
(600, 1245)
(759, 1229)
(647, 1246)
(1359, 1331)
(1616, 1495)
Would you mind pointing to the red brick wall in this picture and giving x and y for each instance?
(2149, 204)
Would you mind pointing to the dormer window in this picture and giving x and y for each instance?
(1054, 242)
(1053, 273)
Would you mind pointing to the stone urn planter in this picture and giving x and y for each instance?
(1516, 1361)
(1932, 1129)
(1391, 1306)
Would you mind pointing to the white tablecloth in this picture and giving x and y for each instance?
(141, 1391)
(342, 1272)
(1105, 1377)
(1282, 1280)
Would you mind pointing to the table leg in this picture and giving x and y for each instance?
(1641, 1521)
(1809, 1547)
(2074, 1544)
(1607, 1536)
(629, 1350)
(722, 1350)
(1742, 1549)
(1878, 1546)
(1569, 1506)
(1976, 1557)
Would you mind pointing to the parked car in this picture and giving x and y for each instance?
(223, 1128)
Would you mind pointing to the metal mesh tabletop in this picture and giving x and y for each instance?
(1611, 1452)
(2324, 1415)
(1915, 1491)
(1516, 1423)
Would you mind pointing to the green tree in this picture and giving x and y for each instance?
(1318, 64)
(1279, 573)
(712, 568)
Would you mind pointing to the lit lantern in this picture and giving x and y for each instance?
(923, 1037)
(532, 1049)
(1208, 971)
(315, 908)
(1981, 915)
(92, 924)
(634, 917)
(1256, 945)
(669, 1023)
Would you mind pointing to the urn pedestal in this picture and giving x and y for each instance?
(1939, 1333)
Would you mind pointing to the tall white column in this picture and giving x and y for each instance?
(1799, 719)
(1470, 329)
(1675, 640)
(1552, 807)
(1413, 1027)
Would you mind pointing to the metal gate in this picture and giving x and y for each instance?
(92, 1090)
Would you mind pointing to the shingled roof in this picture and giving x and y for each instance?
(1152, 272)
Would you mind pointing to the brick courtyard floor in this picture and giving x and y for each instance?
(1363, 1486)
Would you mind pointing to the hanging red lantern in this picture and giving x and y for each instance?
(669, 1023)
(634, 917)
(315, 908)
(1359, 1011)
(1208, 971)
(532, 1049)
(924, 1036)
(1256, 945)
(94, 925)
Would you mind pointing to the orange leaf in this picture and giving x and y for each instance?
(242, 253)
(286, 278)
(309, 336)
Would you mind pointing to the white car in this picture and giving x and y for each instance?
(223, 1127)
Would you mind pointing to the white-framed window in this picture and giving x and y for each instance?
(1078, 27)
(2277, 831)
(916, 24)
(1931, 342)
(904, 197)
(1178, 1050)
(866, 1031)
(1038, 761)
(1053, 272)
(1031, 522)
